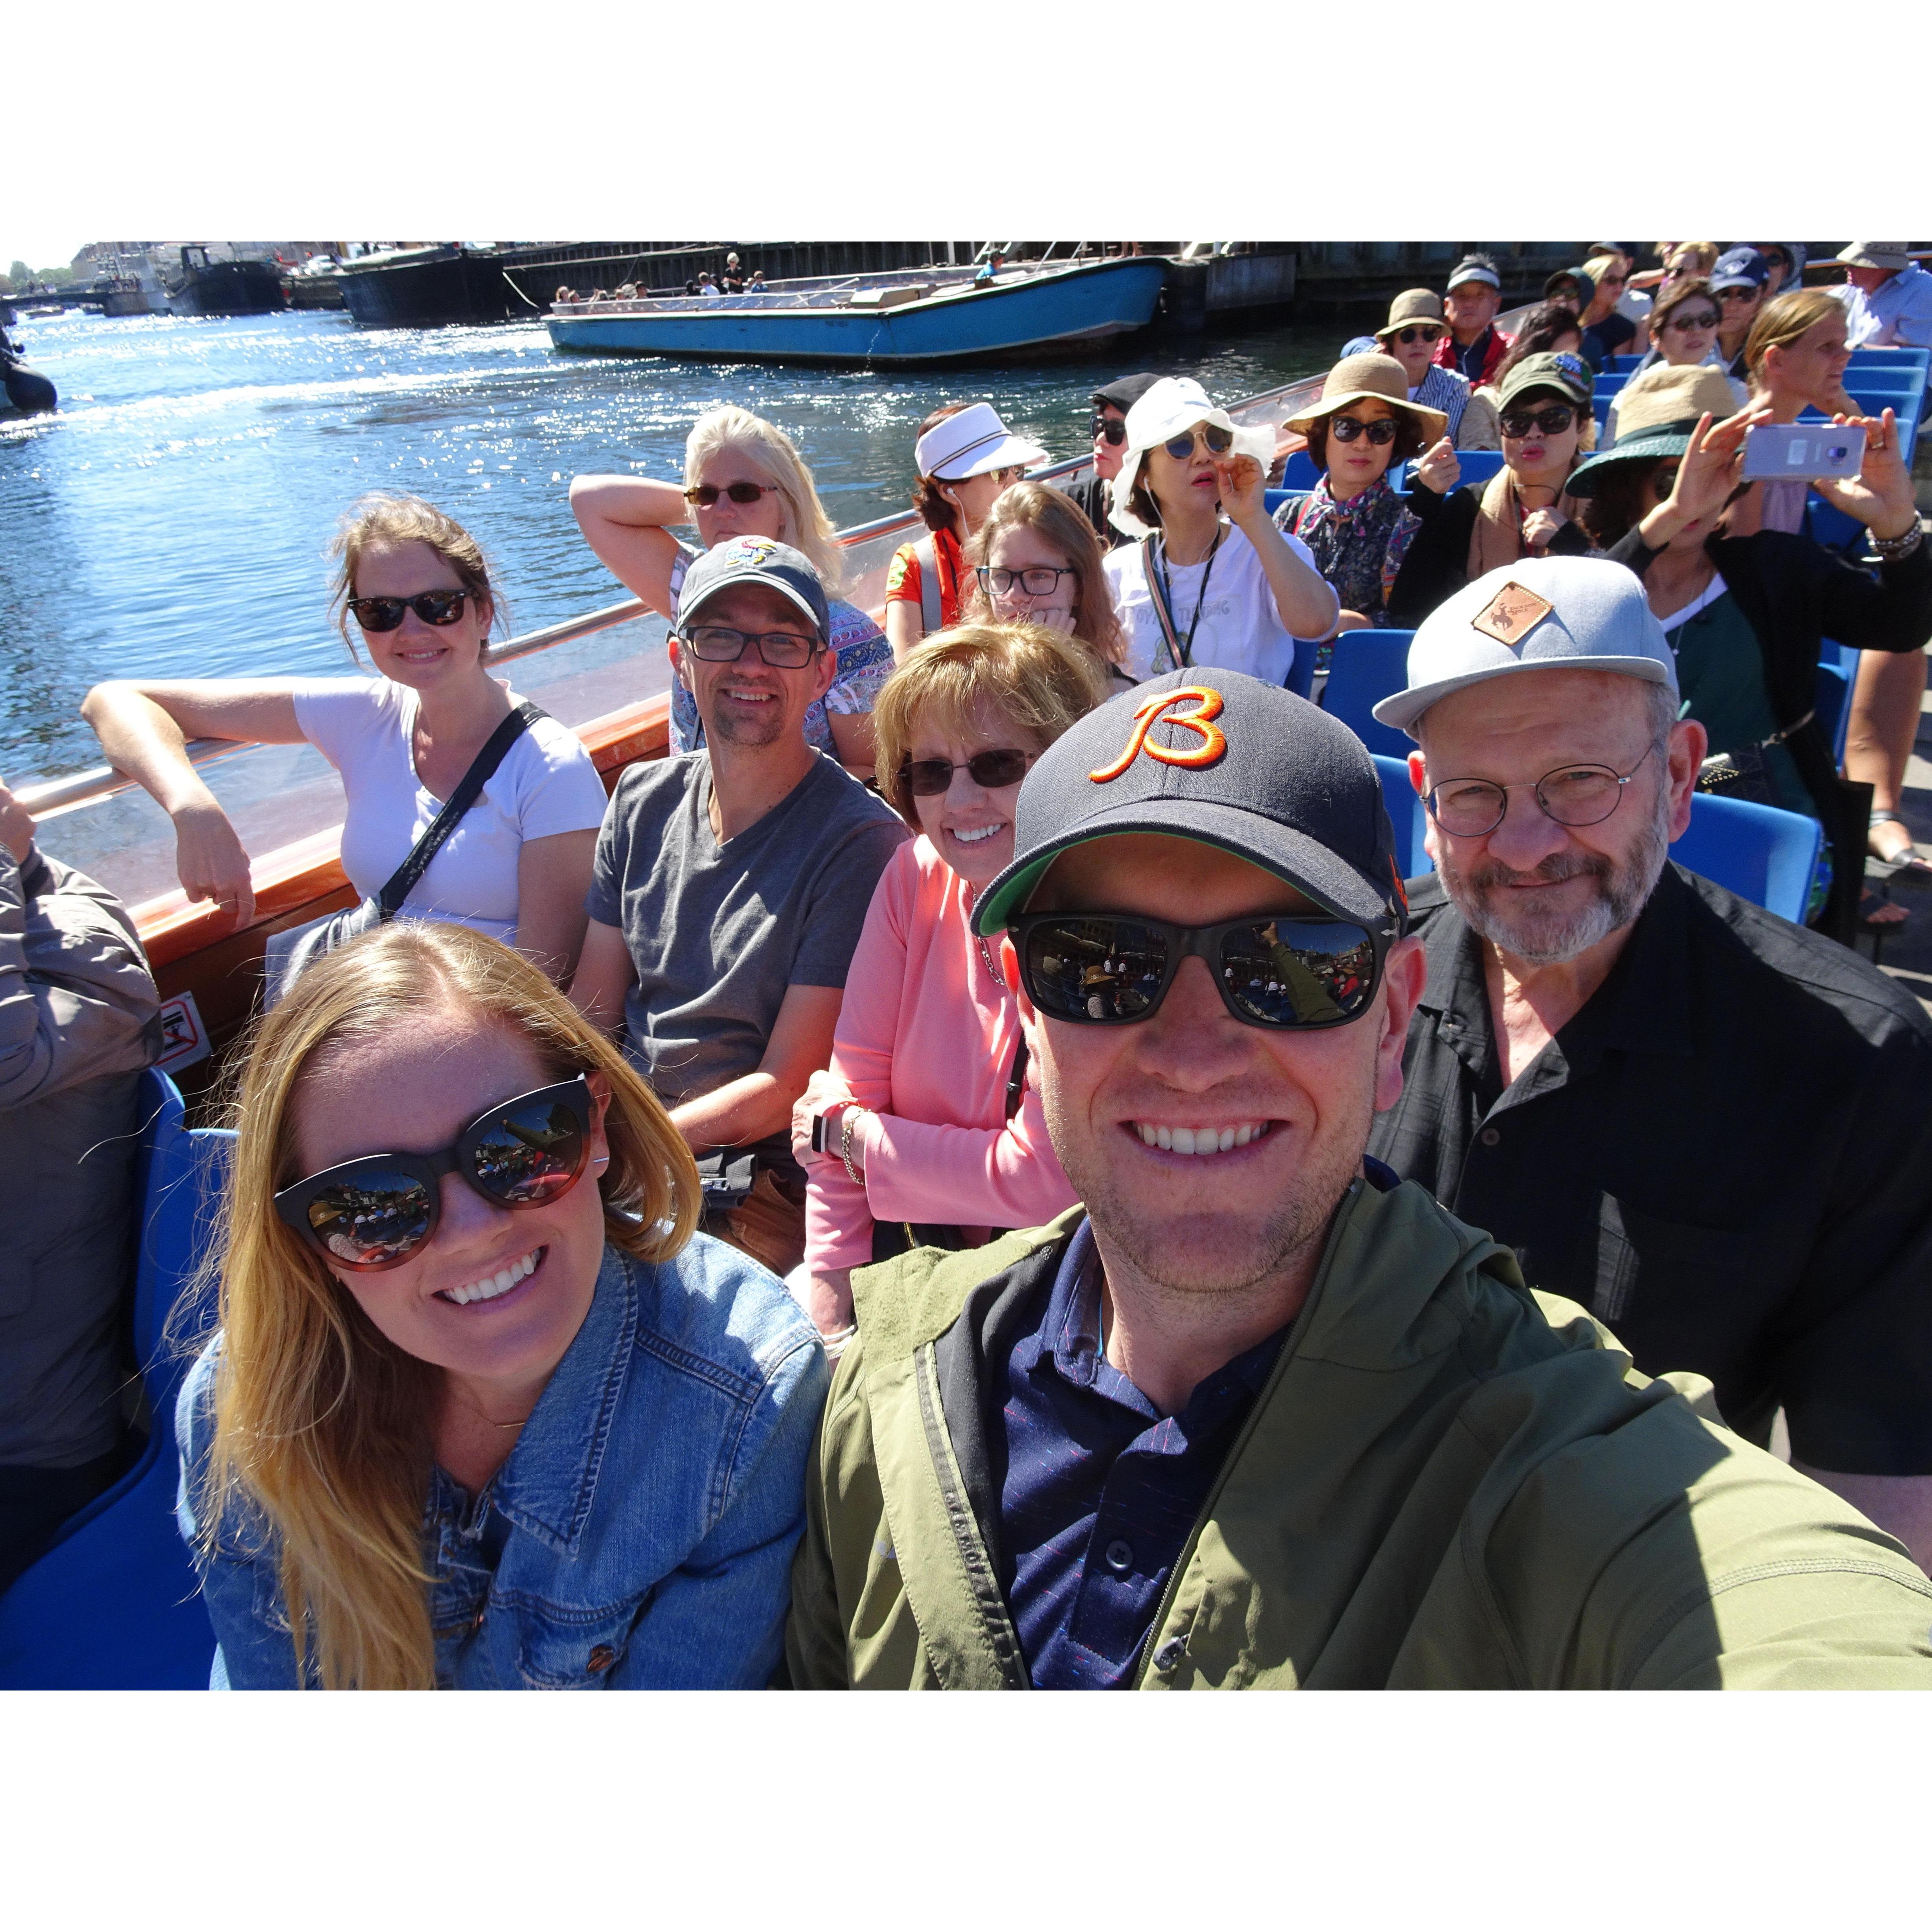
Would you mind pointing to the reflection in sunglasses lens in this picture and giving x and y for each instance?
(377, 1217)
(1288, 973)
(528, 1155)
(1097, 969)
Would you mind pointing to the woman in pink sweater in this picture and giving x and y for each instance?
(929, 1127)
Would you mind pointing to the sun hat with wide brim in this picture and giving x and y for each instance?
(1656, 414)
(1175, 404)
(970, 442)
(1370, 379)
(1892, 257)
(1412, 305)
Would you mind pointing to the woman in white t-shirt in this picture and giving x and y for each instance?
(1234, 591)
(517, 866)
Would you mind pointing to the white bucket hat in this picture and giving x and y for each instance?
(1176, 403)
(970, 443)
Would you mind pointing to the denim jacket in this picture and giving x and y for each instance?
(639, 1535)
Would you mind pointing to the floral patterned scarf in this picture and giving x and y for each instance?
(1359, 545)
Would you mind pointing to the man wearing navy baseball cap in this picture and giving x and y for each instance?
(1254, 1414)
(1704, 1124)
(729, 888)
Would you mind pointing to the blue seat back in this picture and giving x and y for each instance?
(115, 1604)
(1756, 851)
(1832, 694)
(1407, 815)
(1369, 666)
(1477, 466)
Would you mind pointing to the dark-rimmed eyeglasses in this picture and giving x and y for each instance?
(385, 614)
(783, 650)
(1219, 441)
(1345, 429)
(1290, 973)
(1571, 794)
(705, 494)
(1552, 421)
(1422, 331)
(1112, 430)
(990, 771)
(374, 1213)
(1038, 579)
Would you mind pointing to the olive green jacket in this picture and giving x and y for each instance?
(1447, 1481)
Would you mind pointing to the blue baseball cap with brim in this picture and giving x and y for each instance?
(1538, 614)
(1226, 760)
(1740, 269)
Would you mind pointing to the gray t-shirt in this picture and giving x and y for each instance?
(717, 932)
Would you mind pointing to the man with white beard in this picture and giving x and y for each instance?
(1707, 1125)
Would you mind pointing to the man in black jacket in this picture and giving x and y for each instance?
(1705, 1124)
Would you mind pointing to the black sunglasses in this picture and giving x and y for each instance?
(1114, 429)
(1219, 441)
(1426, 331)
(705, 494)
(1552, 421)
(1345, 429)
(1703, 318)
(990, 771)
(376, 1212)
(783, 650)
(1111, 969)
(385, 614)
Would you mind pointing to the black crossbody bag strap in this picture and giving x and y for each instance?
(469, 788)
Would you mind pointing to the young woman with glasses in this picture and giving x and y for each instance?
(482, 1413)
(1035, 560)
(1211, 580)
(743, 477)
(1355, 526)
(1747, 614)
(415, 584)
(925, 1130)
(1524, 510)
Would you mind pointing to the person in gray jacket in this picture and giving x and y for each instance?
(79, 1020)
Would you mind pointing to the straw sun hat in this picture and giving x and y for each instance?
(1656, 414)
(1363, 379)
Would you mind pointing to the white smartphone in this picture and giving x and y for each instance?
(1775, 450)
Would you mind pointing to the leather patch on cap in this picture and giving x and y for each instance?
(1512, 614)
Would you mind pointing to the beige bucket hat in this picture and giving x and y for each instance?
(1377, 378)
(1412, 305)
(1892, 257)
(1656, 414)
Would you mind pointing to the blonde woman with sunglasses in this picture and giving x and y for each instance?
(482, 1412)
(743, 477)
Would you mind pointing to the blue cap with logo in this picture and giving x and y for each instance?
(1740, 268)
(760, 560)
(1229, 761)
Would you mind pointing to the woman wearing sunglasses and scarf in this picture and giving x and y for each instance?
(1357, 529)
(743, 477)
(1210, 580)
(517, 865)
(482, 1412)
(925, 1130)
(1524, 510)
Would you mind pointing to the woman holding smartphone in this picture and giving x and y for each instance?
(482, 1412)
(1747, 614)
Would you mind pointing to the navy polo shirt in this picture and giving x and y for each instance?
(1101, 1491)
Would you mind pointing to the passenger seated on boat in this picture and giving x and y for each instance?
(1748, 612)
(482, 1412)
(1888, 296)
(565, 295)
(415, 582)
(1472, 297)
(730, 886)
(756, 282)
(1684, 325)
(1211, 580)
(1414, 329)
(1704, 1123)
(1550, 329)
(1544, 411)
(965, 456)
(743, 476)
(1095, 495)
(77, 1025)
(1607, 330)
(1739, 283)
(1357, 529)
(931, 1132)
(1034, 560)
(1256, 1415)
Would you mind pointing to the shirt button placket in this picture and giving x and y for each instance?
(1119, 1556)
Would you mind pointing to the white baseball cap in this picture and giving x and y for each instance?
(970, 442)
(1539, 613)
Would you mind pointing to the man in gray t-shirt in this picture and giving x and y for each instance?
(730, 885)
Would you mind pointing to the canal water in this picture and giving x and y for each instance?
(171, 520)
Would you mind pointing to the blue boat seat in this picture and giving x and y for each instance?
(114, 1604)
(1837, 669)
(1407, 813)
(1477, 466)
(1760, 853)
(1367, 666)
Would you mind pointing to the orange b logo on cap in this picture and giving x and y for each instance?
(1211, 749)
